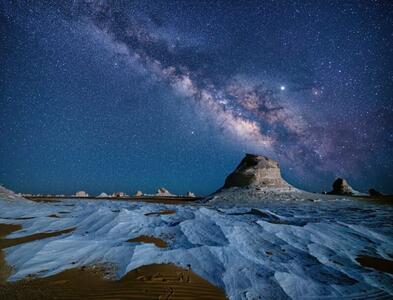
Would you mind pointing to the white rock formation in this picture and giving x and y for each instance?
(258, 172)
(7, 194)
(81, 194)
(256, 178)
(341, 187)
(163, 192)
(103, 195)
(119, 195)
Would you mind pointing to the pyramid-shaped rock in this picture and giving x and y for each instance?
(257, 171)
(341, 187)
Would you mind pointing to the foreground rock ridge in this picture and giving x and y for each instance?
(257, 171)
(9, 195)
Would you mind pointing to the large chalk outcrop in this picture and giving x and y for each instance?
(341, 187)
(256, 178)
(257, 171)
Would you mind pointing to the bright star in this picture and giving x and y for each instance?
(282, 87)
(316, 91)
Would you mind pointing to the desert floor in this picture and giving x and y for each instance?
(156, 281)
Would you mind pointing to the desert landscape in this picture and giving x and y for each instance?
(187, 149)
(256, 237)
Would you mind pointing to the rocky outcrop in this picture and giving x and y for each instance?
(103, 195)
(9, 195)
(341, 187)
(163, 192)
(119, 195)
(81, 194)
(257, 178)
(259, 172)
(374, 192)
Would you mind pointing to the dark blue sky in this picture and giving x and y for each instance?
(112, 95)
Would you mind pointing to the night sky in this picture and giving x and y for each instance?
(111, 96)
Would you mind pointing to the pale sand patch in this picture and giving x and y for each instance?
(149, 239)
(5, 243)
(161, 212)
(53, 216)
(379, 264)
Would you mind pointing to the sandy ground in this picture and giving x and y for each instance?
(388, 199)
(148, 282)
(5, 270)
(6, 229)
(161, 212)
(376, 263)
(163, 281)
(4, 243)
(149, 239)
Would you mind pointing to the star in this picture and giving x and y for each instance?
(316, 91)
(104, 77)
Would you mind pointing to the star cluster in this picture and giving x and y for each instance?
(107, 96)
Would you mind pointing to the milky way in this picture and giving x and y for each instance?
(305, 83)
